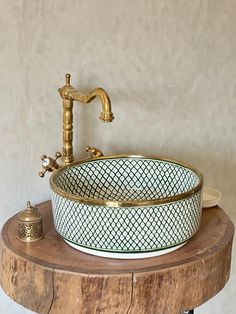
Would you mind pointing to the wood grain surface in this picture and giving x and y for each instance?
(48, 276)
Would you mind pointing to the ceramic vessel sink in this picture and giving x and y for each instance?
(126, 206)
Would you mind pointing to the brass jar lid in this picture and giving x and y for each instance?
(30, 214)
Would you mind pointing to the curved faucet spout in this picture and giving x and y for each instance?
(106, 114)
(69, 94)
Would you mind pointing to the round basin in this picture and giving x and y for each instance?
(126, 206)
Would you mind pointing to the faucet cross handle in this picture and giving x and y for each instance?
(49, 164)
(94, 152)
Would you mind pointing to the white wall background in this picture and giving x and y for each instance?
(168, 66)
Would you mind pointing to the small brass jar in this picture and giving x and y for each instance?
(30, 226)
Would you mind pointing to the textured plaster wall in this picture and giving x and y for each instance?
(169, 68)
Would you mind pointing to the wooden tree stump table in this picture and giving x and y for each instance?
(48, 276)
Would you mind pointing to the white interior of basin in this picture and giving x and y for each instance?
(127, 179)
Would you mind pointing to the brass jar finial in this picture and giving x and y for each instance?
(30, 227)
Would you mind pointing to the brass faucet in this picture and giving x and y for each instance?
(69, 94)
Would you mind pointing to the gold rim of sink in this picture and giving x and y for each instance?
(98, 202)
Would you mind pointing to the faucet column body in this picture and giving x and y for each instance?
(67, 157)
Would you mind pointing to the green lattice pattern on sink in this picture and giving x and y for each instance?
(127, 229)
(127, 179)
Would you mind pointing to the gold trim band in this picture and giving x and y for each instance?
(97, 202)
